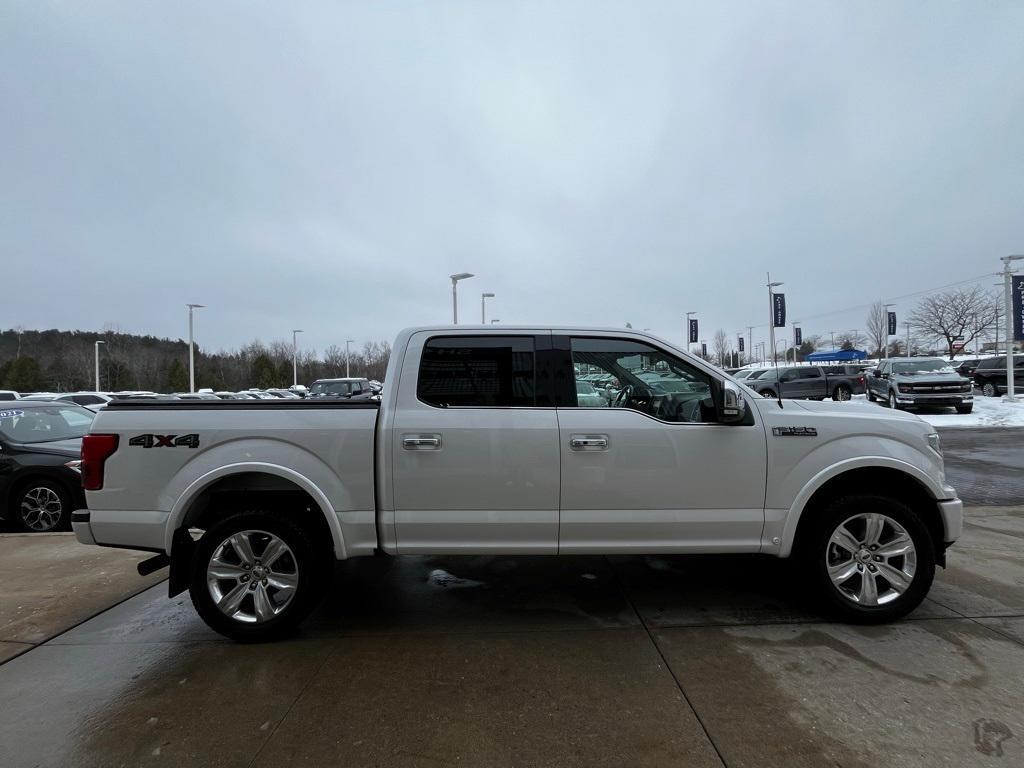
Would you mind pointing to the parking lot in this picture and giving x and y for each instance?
(685, 661)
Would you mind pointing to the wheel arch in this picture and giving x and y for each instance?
(265, 484)
(882, 476)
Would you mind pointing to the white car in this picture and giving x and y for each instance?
(480, 445)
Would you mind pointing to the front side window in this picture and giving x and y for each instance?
(478, 371)
(642, 378)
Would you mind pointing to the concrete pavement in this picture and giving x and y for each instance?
(577, 661)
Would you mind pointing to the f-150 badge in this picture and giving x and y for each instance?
(165, 441)
(794, 431)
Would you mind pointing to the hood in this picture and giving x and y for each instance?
(931, 378)
(851, 408)
(72, 448)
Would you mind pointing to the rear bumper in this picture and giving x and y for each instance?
(142, 530)
(952, 512)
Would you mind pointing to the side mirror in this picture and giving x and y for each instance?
(734, 405)
(877, 373)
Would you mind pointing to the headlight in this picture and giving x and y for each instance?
(934, 442)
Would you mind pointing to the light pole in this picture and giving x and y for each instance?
(908, 339)
(495, 321)
(750, 340)
(483, 306)
(833, 335)
(771, 317)
(687, 336)
(1008, 289)
(191, 349)
(97, 345)
(348, 358)
(295, 356)
(455, 293)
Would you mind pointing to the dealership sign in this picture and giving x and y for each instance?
(779, 310)
(693, 331)
(892, 323)
(1017, 287)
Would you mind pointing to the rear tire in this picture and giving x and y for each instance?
(845, 584)
(842, 393)
(263, 594)
(988, 389)
(42, 506)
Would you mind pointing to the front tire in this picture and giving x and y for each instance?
(870, 559)
(255, 576)
(870, 396)
(892, 401)
(769, 394)
(42, 506)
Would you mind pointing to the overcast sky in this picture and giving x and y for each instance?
(298, 165)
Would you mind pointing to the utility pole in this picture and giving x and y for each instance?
(191, 349)
(295, 356)
(348, 358)
(750, 339)
(908, 339)
(97, 346)
(483, 307)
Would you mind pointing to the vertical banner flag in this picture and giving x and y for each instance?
(741, 343)
(892, 323)
(703, 348)
(798, 336)
(1017, 289)
(693, 331)
(779, 310)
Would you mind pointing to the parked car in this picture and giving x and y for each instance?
(40, 444)
(9, 394)
(748, 373)
(804, 382)
(40, 396)
(479, 447)
(855, 373)
(284, 394)
(87, 399)
(258, 394)
(587, 396)
(990, 375)
(966, 367)
(196, 396)
(915, 382)
(348, 389)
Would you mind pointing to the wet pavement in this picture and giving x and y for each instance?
(575, 661)
(986, 466)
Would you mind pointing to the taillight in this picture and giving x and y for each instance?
(96, 449)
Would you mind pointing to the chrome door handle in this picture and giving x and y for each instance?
(421, 442)
(589, 442)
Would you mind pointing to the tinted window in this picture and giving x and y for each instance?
(643, 379)
(42, 425)
(481, 371)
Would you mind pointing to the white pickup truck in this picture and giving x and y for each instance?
(479, 445)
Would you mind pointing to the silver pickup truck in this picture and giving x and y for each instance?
(480, 444)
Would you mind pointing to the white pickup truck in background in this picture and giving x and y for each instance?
(479, 445)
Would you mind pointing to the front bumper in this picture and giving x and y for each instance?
(952, 512)
(934, 401)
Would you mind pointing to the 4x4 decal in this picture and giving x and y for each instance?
(165, 441)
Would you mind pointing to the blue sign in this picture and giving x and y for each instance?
(741, 343)
(779, 310)
(1017, 291)
(892, 323)
(693, 331)
(704, 349)
(798, 336)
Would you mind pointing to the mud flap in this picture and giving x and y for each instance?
(182, 548)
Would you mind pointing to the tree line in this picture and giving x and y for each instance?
(64, 361)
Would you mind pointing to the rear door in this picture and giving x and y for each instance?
(475, 457)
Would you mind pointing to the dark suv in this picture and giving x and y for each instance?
(990, 375)
(916, 382)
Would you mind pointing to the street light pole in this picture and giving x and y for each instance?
(191, 349)
(908, 339)
(1008, 289)
(750, 340)
(348, 358)
(295, 356)
(455, 293)
(97, 345)
(483, 307)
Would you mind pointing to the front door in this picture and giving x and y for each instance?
(475, 459)
(653, 470)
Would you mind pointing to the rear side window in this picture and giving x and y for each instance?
(478, 371)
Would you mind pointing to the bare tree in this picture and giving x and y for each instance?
(334, 360)
(877, 328)
(721, 346)
(851, 340)
(956, 317)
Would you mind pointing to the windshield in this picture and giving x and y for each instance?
(45, 425)
(922, 366)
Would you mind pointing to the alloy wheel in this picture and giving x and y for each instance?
(252, 576)
(892, 400)
(41, 509)
(871, 559)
